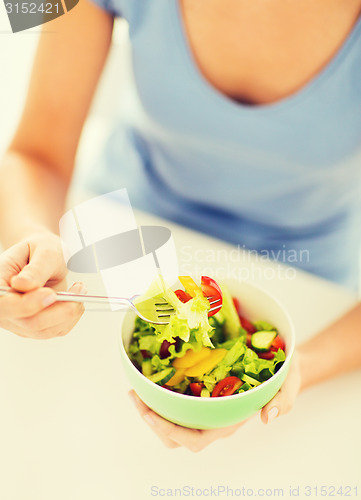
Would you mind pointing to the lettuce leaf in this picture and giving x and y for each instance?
(264, 326)
(192, 315)
(228, 314)
(262, 369)
(160, 364)
(150, 343)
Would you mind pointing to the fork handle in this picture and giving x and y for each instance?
(76, 297)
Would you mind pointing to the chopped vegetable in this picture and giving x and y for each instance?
(191, 358)
(183, 296)
(262, 341)
(190, 285)
(211, 289)
(200, 356)
(226, 387)
(215, 356)
(177, 378)
(162, 377)
(196, 388)
(232, 323)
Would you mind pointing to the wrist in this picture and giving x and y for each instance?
(25, 232)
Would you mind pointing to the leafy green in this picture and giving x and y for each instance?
(160, 364)
(150, 343)
(229, 315)
(236, 351)
(218, 336)
(262, 369)
(264, 325)
(188, 316)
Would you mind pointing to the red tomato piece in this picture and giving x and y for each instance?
(237, 305)
(196, 388)
(146, 354)
(248, 339)
(164, 349)
(182, 295)
(278, 343)
(266, 355)
(227, 387)
(247, 325)
(210, 288)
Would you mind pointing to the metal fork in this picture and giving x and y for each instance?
(150, 309)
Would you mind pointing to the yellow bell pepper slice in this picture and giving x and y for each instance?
(207, 364)
(191, 358)
(190, 285)
(177, 378)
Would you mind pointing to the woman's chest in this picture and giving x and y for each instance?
(259, 53)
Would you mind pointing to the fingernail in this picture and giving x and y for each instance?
(82, 289)
(48, 300)
(272, 414)
(149, 419)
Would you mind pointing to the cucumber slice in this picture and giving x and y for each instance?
(249, 380)
(205, 393)
(162, 377)
(262, 341)
(147, 367)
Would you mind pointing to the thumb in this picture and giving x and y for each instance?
(36, 273)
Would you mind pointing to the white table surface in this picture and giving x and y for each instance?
(69, 432)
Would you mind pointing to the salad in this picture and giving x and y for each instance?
(203, 352)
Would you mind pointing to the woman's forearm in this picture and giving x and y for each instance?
(32, 197)
(334, 351)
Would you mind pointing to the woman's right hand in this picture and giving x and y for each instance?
(36, 267)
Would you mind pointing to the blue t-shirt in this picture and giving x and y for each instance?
(283, 178)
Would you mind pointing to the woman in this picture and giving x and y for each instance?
(249, 128)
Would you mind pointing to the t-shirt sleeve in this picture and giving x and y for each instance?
(114, 7)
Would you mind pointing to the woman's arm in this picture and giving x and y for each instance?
(36, 171)
(37, 168)
(334, 351)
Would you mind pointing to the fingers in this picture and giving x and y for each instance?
(38, 271)
(174, 435)
(56, 320)
(36, 315)
(12, 261)
(147, 414)
(284, 400)
(18, 305)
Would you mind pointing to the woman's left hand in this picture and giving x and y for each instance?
(196, 440)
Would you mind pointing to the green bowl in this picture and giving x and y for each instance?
(210, 413)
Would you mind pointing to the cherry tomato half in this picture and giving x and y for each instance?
(237, 305)
(164, 348)
(182, 295)
(210, 288)
(247, 325)
(226, 387)
(196, 388)
(277, 343)
(266, 355)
